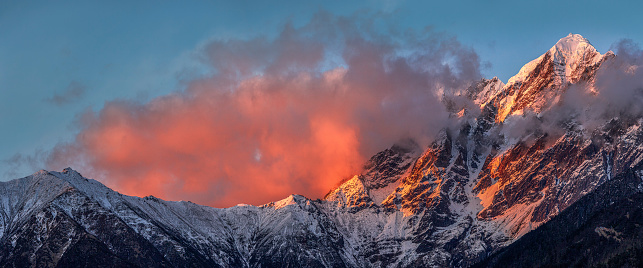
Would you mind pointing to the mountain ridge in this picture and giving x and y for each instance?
(473, 191)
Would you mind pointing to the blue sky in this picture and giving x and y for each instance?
(58, 59)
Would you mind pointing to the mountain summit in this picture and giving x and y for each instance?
(467, 196)
(540, 82)
(569, 57)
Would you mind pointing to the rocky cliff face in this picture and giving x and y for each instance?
(471, 192)
(602, 229)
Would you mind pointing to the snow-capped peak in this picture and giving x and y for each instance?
(540, 82)
(569, 53)
(572, 42)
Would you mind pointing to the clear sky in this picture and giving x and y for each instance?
(61, 59)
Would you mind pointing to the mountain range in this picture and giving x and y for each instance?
(513, 184)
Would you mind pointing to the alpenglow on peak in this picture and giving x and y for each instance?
(567, 55)
(570, 53)
(540, 82)
(572, 43)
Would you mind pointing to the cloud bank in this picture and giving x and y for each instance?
(296, 113)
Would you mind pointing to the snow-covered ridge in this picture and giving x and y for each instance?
(350, 193)
(446, 205)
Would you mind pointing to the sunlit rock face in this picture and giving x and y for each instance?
(602, 227)
(473, 191)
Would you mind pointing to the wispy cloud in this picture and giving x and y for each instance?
(73, 93)
(18, 164)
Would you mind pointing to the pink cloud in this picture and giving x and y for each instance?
(274, 119)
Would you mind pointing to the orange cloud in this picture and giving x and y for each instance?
(273, 119)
